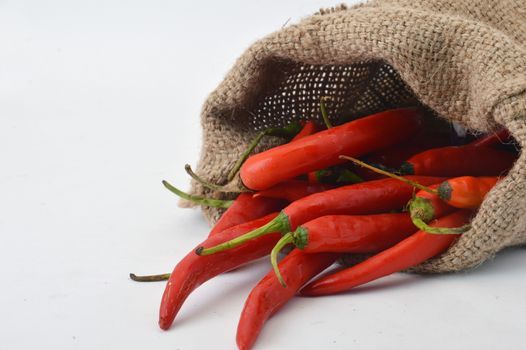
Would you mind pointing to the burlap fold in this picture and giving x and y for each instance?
(465, 60)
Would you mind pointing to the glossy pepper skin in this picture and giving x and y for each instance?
(322, 149)
(459, 161)
(466, 192)
(408, 253)
(292, 190)
(245, 208)
(193, 270)
(268, 296)
(358, 199)
(353, 233)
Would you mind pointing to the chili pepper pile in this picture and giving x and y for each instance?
(332, 191)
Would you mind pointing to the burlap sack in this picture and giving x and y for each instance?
(464, 59)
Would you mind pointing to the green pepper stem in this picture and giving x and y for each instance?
(206, 184)
(150, 278)
(421, 208)
(386, 173)
(287, 131)
(439, 230)
(324, 113)
(245, 154)
(279, 224)
(285, 240)
(209, 202)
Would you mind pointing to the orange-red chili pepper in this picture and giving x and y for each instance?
(466, 192)
(408, 253)
(322, 149)
(192, 270)
(358, 199)
(459, 161)
(268, 296)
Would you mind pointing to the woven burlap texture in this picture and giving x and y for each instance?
(464, 60)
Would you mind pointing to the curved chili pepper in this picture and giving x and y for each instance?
(321, 150)
(268, 296)
(408, 253)
(246, 208)
(192, 270)
(492, 139)
(466, 192)
(292, 190)
(358, 199)
(459, 161)
(346, 234)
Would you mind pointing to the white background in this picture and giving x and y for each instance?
(100, 101)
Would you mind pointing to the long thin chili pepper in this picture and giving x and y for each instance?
(292, 190)
(192, 270)
(359, 199)
(246, 208)
(492, 139)
(268, 296)
(346, 234)
(459, 161)
(321, 150)
(408, 253)
(464, 192)
(309, 128)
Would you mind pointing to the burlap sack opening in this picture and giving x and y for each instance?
(465, 61)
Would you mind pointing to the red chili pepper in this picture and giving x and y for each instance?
(269, 296)
(321, 150)
(408, 253)
(192, 270)
(347, 234)
(492, 139)
(359, 199)
(309, 128)
(466, 192)
(459, 161)
(394, 156)
(246, 208)
(292, 190)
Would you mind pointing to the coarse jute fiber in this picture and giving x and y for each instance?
(463, 59)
